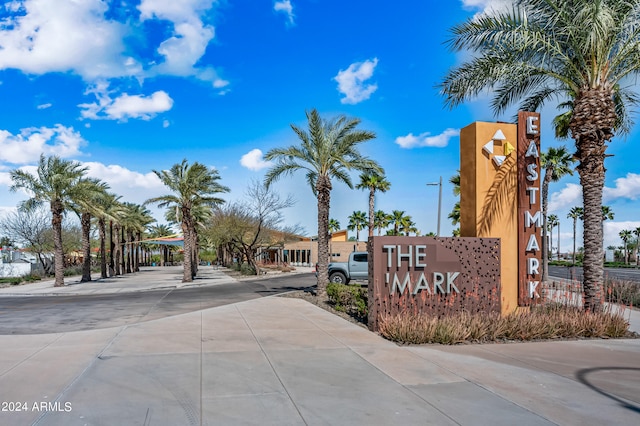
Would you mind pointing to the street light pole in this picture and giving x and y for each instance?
(439, 184)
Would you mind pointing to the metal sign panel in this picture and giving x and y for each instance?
(433, 276)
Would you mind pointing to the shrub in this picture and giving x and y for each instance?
(544, 322)
(622, 292)
(352, 299)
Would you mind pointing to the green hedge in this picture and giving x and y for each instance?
(352, 299)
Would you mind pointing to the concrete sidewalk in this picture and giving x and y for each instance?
(283, 361)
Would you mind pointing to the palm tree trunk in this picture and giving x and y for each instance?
(545, 249)
(102, 231)
(58, 254)
(324, 202)
(187, 272)
(575, 221)
(85, 222)
(112, 248)
(372, 197)
(117, 250)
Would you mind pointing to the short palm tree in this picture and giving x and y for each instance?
(455, 214)
(358, 220)
(556, 163)
(57, 182)
(625, 236)
(334, 226)
(373, 182)
(328, 150)
(396, 219)
(542, 50)
(575, 213)
(190, 186)
(381, 221)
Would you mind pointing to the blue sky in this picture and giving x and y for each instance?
(128, 86)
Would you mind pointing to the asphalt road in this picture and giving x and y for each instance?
(55, 314)
(575, 272)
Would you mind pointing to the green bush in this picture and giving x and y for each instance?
(11, 280)
(352, 299)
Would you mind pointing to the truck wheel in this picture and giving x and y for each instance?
(338, 277)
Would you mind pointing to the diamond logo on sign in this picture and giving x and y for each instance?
(498, 148)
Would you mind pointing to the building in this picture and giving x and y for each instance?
(304, 252)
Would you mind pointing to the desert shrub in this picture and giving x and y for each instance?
(544, 322)
(622, 292)
(352, 299)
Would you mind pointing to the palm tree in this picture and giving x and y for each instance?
(328, 150)
(58, 182)
(542, 50)
(158, 231)
(556, 163)
(381, 220)
(408, 226)
(552, 222)
(455, 214)
(373, 182)
(334, 226)
(575, 213)
(358, 220)
(625, 236)
(86, 206)
(636, 232)
(396, 218)
(191, 186)
(109, 208)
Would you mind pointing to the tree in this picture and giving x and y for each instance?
(636, 232)
(358, 220)
(334, 226)
(625, 236)
(190, 186)
(381, 220)
(57, 182)
(87, 205)
(543, 50)
(455, 213)
(373, 182)
(396, 218)
(552, 222)
(556, 163)
(30, 228)
(158, 231)
(328, 150)
(575, 213)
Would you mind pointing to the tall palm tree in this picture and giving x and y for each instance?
(190, 186)
(575, 213)
(158, 231)
(109, 209)
(408, 226)
(455, 214)
(358, 220)
(86, 206)
(556, 163)
(636, 232)
(625, 236)
(373, 182)
(201, 214)
(542, 50)
(380, 221)
(552, 222)
(328, 150)
(57, 182)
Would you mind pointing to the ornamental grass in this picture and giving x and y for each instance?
(553, 321)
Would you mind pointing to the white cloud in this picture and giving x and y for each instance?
(285, 7)
(487, 6)
(27, 146)
(425, 139)
(87, 38)
(626, 187)
(569, 196)
(253, 160)
(166, 123)
(351, 82)
(612, 231)
(61, 36)
(124, 106)
(119, 177)
(44, 106)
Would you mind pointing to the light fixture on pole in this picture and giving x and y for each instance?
(439, 201)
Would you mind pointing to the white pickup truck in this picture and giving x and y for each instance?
(356, 268)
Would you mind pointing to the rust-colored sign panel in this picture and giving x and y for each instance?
(530, 220)
(433, 276)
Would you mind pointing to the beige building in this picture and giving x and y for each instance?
(305, 251)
